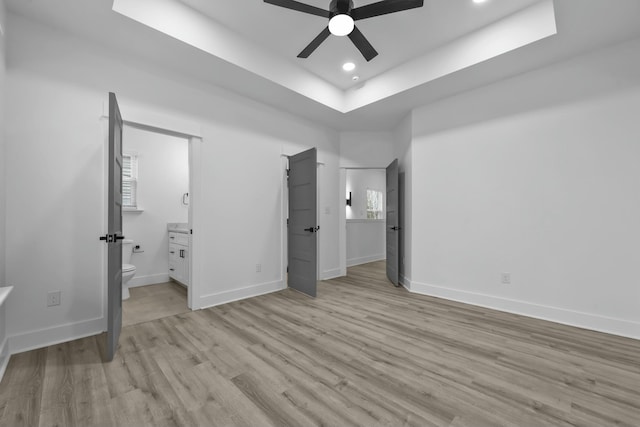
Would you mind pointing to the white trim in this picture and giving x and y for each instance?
(132, 210)
(342, 224)
(365, 260)
(331, 274)
(142, 118)
(225, 297)
(284, 215)
(195, 223)
(405, 281)
(150, 279)
(55, 335)
(565, 316)
(4, 293)
(365, 221)
(4, 357)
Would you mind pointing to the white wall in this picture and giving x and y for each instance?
(2, 144)
(548, 194)
(365, 241)
(57, 86)
(163, 177)
(366, 149)
(358, 182)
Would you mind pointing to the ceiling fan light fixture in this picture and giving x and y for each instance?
(341, 25)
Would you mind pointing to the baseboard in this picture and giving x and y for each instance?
(225, 297)
(151, 279)
(579, 319)
(405, 281)
(364, 260)
(58, 334)
(331, 274)
(4, 357)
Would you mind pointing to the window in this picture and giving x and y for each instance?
(375, 208)
(129, 181)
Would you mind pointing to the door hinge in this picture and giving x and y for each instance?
(288, 171)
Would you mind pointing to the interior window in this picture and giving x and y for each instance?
(129, 180)
(375, 208)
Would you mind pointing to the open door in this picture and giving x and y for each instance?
(302, 231)
(114, 233)
(392, 222)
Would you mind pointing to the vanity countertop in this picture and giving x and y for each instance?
(178, 227)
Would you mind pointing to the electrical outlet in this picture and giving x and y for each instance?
(258, 268)
(506, 278)
(53, 298)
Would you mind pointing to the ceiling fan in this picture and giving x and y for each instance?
(341, 15)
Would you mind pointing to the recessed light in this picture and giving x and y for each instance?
(479, 1)
(348, 66)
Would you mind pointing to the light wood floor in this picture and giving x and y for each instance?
(154, 302)
(361, 353)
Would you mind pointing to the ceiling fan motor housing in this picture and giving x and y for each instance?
(338, 7)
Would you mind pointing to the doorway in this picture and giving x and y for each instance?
(301, 222)
(365, 214)
(113, 267)
(361, 212)
(155, 223)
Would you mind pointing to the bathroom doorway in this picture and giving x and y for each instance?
(156, 212)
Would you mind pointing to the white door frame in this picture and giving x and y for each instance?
(142, 118)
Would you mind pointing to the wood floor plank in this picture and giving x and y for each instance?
(21, 389)
(363, 353)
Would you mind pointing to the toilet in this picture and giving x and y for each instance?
(128, 270)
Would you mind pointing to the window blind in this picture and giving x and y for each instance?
(129, 181)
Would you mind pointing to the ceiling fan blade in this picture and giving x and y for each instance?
(300, 7)
(315, 43)
(363, 44)
(384, 7)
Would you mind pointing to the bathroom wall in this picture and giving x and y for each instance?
(365, 237)
(163, 177)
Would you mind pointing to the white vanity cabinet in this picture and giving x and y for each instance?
(179, 257)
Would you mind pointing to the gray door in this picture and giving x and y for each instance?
(114, 233)
(392, 222)
(303, 229)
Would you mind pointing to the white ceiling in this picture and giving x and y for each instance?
(398, 37)
(256, 50)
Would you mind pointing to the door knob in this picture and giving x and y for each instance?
(310, 229)
(395, 228)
